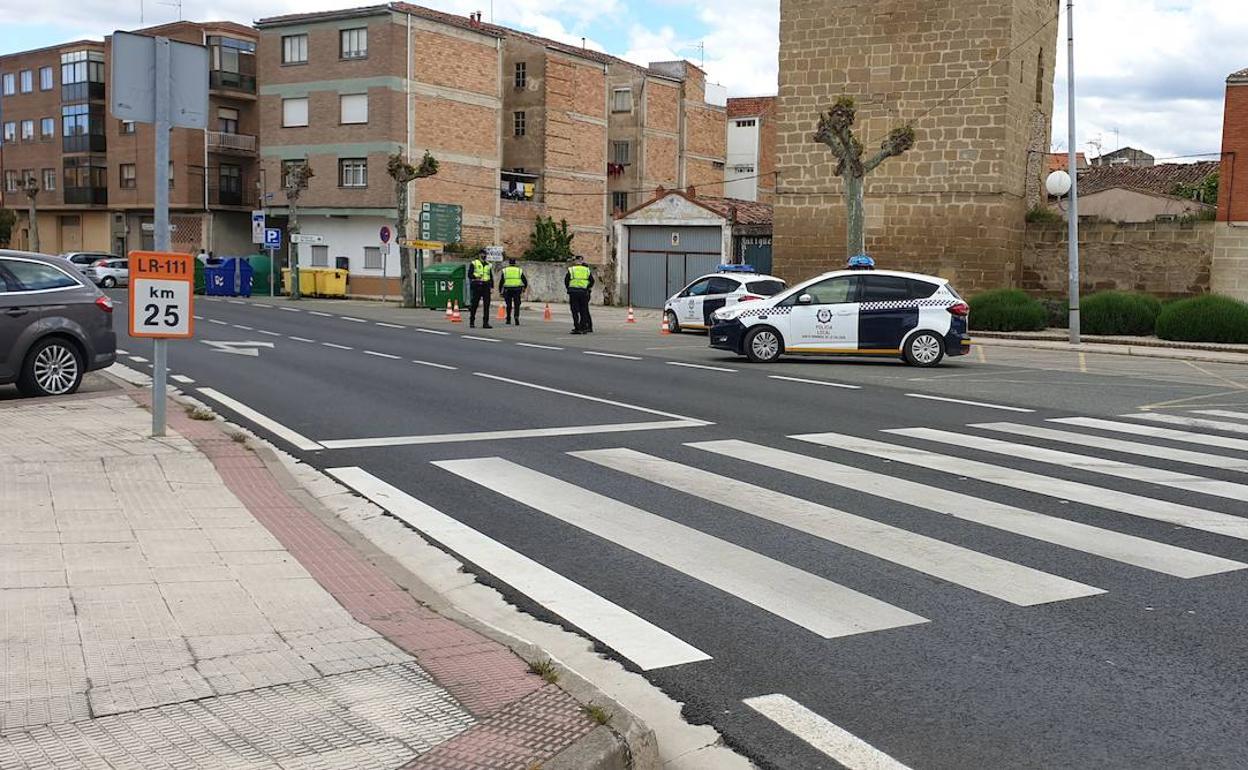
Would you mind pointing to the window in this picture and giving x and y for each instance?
(744, 168)
(830, 291)
(698, 289)
(722, 285)
(884, 288)
(522, 74)
(353, 108)
(619, 201)
(718, 165)
(353, 172)
(49, 179)
(231, 185)
(619, 153)
(518, 120)
(765, 288)
(82, 128)
(85, 179)
(126, 176)
(28, 130)
(232, 64)
(354, 43)
(294, 49)
(372, 258)
(10, 84)
(36, 276)
(622, 100)
(10, 132)
(295, 112)
(28, 175)
(10, 181)
(921, 289)
(47, 128)
(82, 75)
(227, 120)
(747, 123)
(320, 256)
(28, 81)
(170, 175)
(127, 127)
(45, 79)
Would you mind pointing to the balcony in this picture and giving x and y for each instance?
(242, 144)
(97, 196)
(220, 80)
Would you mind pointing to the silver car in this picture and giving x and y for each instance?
(54, 325)
(109, 272)
(84, 259)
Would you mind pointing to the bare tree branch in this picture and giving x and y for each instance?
(898, 141)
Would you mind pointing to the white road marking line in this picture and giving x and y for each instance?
(336, 346)
(478, 339)
(611, 355)
(1117, 445)
(218, 323)
(1115, 468)
(585, 397)
(389, 326)
(1223, 413)
(244, 328)
(538, 347)
(814, 382)
(236, 302)
(1128, 549)
(969, 403)
(434, 365)
(293, 438)
(299, 339)
(1190, 422)
(259, 304)
(138, 359)
(433, 331)
(132, 376)
(843, 747)
(700, 366)
(353, 320)
(291, 309)
(1153, 431)
(319, 313)
(271, 334)
(380, 355)
(122, 352)
(1132, 505)
(823, 607)
(633, 637)
(980, 572)
(502, 435)
(182, 379)
(198, 317)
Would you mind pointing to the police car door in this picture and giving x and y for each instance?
(825, 317)
(887, 311)
(688, 305)
(717, 296)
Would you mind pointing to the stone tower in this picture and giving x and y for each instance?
(955, 205)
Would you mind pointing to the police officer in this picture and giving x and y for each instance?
(860, 262)
(481, 281)
(511, 286)
(579, 282)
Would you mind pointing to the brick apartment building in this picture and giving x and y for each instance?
(95, 173)
(750, 173)
(1229, 269)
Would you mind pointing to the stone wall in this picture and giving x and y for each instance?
(1230, 260)
(1166, 259)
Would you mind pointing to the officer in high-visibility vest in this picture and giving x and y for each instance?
(481, 281)
(511, 286)
(579, 282)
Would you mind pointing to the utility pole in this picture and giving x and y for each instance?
(30, 186)
(1072, 217)
(296, 182)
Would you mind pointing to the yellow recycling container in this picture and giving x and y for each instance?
(307, 281)
(331, 283)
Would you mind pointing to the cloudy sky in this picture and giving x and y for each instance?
(1150, 72)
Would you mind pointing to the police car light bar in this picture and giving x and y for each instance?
(737, 269)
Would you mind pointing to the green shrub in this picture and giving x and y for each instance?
(1042, 213)
(1058, 310)
(1119, 312)
(1209, 318)
(1007, 310)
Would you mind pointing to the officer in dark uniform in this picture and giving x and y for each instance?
(512, 286)
(580, 282)
(481, 281)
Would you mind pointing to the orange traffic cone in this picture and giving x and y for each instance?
(632, 319)
(546, 314)
(663, 328)
(455, 316)
(502, 313)
(449, 315)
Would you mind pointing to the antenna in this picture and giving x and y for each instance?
(174, 4)
(702, 53)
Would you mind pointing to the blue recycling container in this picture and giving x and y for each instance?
(232, 278)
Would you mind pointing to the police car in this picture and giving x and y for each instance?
(692, 306)
(850, 312)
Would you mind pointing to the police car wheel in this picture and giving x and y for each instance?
(673, 325)
(924, 349)
(762, 346)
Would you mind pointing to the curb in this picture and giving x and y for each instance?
(1143, 349)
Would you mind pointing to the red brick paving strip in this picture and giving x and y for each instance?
(522, 720)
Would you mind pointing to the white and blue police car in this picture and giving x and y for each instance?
(850, 312)
(693, 306)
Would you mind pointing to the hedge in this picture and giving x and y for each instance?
(1209, 318)
(1119, 312)
(1007, 310)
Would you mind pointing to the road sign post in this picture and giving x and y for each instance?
(162, 296)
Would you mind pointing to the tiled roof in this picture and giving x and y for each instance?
(1059, 161)
(750, 106)
(344, 13)
(1238, 76)
(742, 212)
(1158, 180)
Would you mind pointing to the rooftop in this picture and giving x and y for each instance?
(1060, 161)
(750, 106)
(1239, 77)
(741, 212)
(1157, 180)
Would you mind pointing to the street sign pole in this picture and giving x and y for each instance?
(159, 346)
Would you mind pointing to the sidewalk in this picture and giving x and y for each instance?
(1151, 347)
(166, 603)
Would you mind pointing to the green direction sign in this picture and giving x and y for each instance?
(441, 222)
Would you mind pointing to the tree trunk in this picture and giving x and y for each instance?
(855, 239)
(407, 279)
(294, 250)
(34, 226)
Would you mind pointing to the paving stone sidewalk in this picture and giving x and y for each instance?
(165, 604)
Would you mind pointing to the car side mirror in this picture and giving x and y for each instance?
(805, 299)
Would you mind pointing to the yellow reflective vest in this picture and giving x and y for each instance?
(578, 277)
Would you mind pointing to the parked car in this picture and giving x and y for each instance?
(110, 272)
(693, 306)
(851, 312)
(54, 325)
(84, 259)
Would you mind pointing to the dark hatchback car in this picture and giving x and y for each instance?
(54, 325)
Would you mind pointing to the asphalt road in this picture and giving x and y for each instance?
(877, 608)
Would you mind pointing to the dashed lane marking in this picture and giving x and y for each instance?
(700, 366)
(824, 383)
(478, 339)
(271, 334)
(433, 331)
(964, 402)
(600, 354)
(336, 346)
(538, 347)
(389, 326)
(435, 365)
(353, 320)
(380, 355)
(300, 339)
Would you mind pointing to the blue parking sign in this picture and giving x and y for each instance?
(272, 238)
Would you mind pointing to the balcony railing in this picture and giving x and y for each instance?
(222, 141)
(231, 81)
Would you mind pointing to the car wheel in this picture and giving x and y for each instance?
(924, 349)
(763, 345)
(108, 282)
(673, 325)
(53, 367)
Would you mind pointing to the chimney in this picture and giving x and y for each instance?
(474, 18)
(691, 191)
(659, 192)
(582, 42)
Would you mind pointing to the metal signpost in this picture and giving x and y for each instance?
(158, 81)
(257, 227)
(439, 223)
(384, 235)
(272, 243)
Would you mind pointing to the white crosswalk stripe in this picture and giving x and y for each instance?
(1148, 475)
(1191, 422)
(961, 566)
(1114, 500)
(1158, 557)
(844, 747)
(1223, 413)
(1155, 431)
(1157, 451)
(823, 607)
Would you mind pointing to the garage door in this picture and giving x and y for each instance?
(662, 260)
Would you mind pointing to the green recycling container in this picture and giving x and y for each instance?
(443, 283)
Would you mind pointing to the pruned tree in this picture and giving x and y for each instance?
(297, 176)
(836, 131)
(30, 186)
(403, 174)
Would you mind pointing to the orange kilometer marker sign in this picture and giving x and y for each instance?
(162, 295)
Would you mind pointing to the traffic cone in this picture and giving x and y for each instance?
(449, 315)
(455, 316)
(546, 314)
(632, 319)
(502, 313)
(663, 328)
